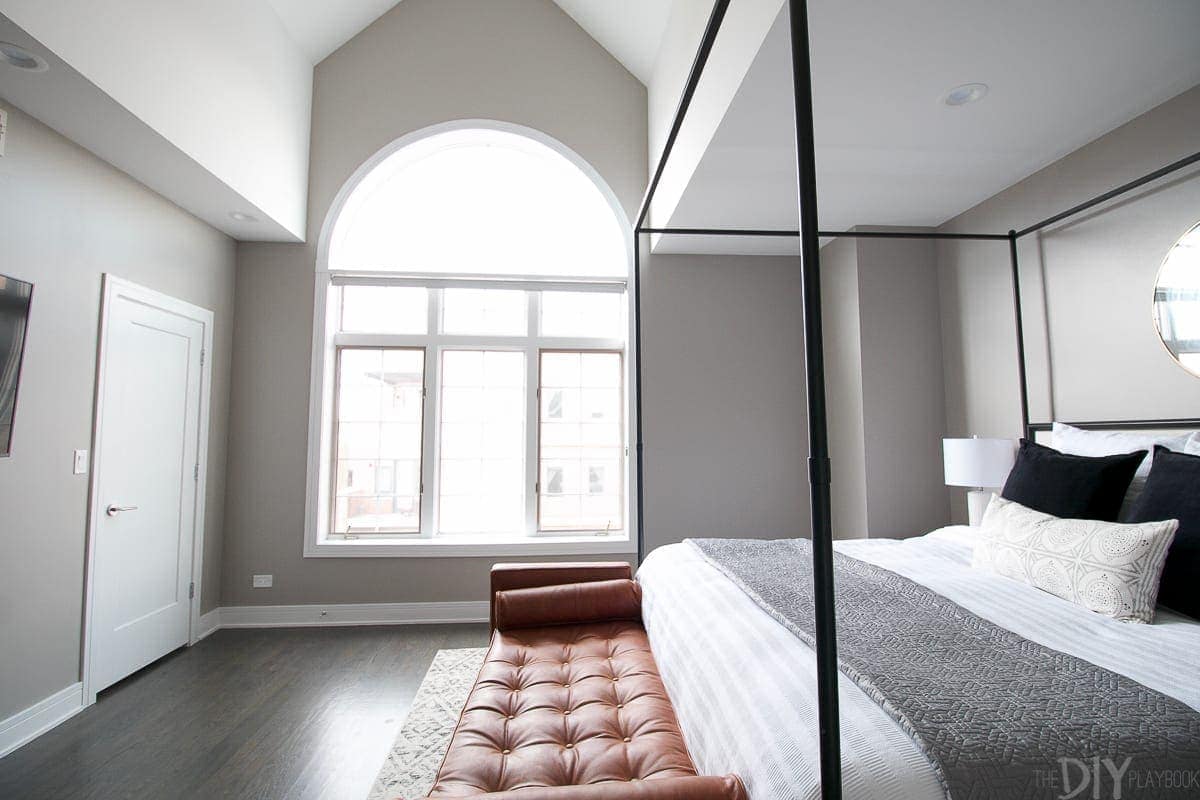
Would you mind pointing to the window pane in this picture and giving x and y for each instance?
(482, 458)
(581, 444)
(484, 312)
(385, 309)
(593, 314)
(377, 450)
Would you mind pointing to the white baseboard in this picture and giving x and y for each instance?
(40, 717)
(351, 614)
(209, 623)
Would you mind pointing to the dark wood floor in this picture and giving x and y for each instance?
(294, 713)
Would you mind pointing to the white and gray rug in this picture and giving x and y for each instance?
(411, 766)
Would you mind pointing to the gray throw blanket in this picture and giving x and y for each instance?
(999, 716)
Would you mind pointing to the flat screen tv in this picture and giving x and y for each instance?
(15, 297)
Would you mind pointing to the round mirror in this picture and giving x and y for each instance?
(1177, 301)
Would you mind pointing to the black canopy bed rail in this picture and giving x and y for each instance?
(809, 239)
(825, 234)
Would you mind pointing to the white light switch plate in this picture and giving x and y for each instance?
(263, 581)
(80, 462)
(3, 129)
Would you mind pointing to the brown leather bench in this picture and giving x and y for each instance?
(569, 704)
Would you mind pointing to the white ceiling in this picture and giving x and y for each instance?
(889, 152)
(106, 92)
(630, 30)
(322, 26)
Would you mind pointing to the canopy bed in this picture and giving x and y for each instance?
(877, 730)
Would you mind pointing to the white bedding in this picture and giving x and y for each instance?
(745, 688)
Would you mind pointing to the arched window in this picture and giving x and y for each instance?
(469, 385)
(479, 201)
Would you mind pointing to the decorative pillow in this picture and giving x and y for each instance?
(1107, 567)
(1076, 441)
(1193, 445)
(1173, 492)
(1078, 487)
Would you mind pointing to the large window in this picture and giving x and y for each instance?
(470, 383)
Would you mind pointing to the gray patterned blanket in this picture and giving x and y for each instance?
(998, 716)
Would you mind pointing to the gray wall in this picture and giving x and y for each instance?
(904, 410)
(844, 387)
(66, 218)
(1087, 286)
(424, 62)
(884, 387)
(723, 398)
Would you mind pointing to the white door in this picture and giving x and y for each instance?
(145, 498)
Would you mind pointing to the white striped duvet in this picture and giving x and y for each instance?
(745, 690)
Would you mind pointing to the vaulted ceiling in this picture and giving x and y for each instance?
(890, 152)
(629, 29)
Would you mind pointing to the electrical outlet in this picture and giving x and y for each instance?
(263, 581)
(79, 465)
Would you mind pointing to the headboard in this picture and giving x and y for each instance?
(1040, 431)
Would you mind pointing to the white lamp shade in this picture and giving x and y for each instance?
(978, 463)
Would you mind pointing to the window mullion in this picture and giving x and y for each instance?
(532, 401)
(432, 419)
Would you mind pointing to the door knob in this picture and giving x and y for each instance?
(112, 511)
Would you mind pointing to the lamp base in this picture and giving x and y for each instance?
(977, 503)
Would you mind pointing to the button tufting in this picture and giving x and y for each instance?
(610, 647)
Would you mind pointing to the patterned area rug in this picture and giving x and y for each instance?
(411, 766)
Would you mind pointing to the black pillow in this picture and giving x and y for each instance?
(1070, 486)
(1173, 492)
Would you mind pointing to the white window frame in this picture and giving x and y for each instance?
(318, 543)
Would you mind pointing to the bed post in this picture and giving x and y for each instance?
(637, 390)
(818, 439)
(1022, 377)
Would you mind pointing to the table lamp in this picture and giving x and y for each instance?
(979, 465)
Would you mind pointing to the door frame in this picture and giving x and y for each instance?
(112, 288)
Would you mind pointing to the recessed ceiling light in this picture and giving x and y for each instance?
(967, 93)
(240, 217)
(19, 57)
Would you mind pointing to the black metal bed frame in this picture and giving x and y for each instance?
(818, 447)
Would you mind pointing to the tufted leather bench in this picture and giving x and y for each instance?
(569, 704)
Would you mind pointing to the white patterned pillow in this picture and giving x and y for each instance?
(1107, 567)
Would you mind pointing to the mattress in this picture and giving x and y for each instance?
(745, 688)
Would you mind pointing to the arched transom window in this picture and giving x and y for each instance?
(470, 383)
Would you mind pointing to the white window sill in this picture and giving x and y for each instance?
(466, 547)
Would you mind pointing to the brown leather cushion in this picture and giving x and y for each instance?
(577, 603)
(525, 576)
(564, 705)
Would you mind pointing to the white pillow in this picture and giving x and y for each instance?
(1076, 441)
(1193, 445)
(1107, 567)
